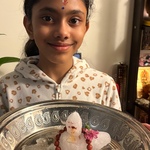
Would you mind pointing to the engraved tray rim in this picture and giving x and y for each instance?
(132, 122)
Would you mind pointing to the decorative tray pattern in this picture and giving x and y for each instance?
(42, 120)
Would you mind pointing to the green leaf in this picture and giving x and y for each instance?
(87, 126)
(4, 60)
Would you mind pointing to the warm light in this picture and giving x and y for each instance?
(143, 79)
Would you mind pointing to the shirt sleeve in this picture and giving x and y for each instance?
(113, 95)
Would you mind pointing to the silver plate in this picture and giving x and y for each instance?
(25, 125)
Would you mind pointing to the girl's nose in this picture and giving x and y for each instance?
(62, 31)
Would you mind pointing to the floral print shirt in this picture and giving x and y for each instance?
(27, 84)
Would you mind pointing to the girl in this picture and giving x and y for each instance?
(56, 29)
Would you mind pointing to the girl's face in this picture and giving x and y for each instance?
(58, 28)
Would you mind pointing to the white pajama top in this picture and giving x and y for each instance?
(27, 84)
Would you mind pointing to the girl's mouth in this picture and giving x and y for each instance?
(60, 47)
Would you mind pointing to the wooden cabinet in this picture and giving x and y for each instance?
(139, 108)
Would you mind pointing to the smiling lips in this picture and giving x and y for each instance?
(60, 47)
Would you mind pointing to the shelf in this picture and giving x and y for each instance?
(144, 66)
(134, 55)
(142, 110)
(143, 104)
(145, 50)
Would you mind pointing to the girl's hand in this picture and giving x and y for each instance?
(146, 125)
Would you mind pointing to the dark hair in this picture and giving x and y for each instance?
(30, 47)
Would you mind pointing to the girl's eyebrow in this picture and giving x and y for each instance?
(52, 10)
(48, 9)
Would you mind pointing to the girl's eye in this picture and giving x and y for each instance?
(74, 21)
(47, 18)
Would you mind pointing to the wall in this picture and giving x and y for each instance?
(106, 44)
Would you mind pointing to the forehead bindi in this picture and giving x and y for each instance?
(55, 11)
(60, 6)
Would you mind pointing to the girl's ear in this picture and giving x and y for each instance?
(28, 26)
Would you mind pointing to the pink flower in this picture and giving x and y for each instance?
(89, 134)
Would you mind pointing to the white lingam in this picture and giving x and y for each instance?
(74, 139)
